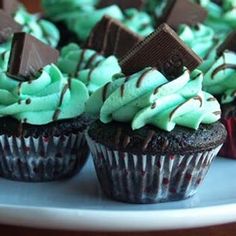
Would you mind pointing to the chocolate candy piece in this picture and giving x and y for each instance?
(123, 4)
(7, 26)
(9, 6)
(183, 12)
(28, 55)
(228, 44)
(162, 49)
(110, 37)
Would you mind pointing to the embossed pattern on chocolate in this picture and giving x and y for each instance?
(162, 49)
(9, 6)
(123, 4)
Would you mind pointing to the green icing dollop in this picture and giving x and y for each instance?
(147, 97)
(50, 96)
(201, 39)
(222, 18)
(88, 66)
(220, 79)
(81, 18)
(39, 28)
(4, 55)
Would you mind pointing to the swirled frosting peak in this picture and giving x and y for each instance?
(147, 97)
(220, 79)
(48, 97)
(88, 66)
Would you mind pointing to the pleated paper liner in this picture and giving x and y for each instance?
(149, 178)
(42, 158)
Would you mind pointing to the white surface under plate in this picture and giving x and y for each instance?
(79, 204)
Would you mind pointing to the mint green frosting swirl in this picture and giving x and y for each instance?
(201, 39)
(147, 97)
(220, 79)
(48, 97)
(39, 28)
(4, 55)
(221, 18)
(88, 66)
(81, 18)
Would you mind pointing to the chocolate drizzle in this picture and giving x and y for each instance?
(56, 114)
(141, 78)
(80, 61)
(91, 60)
(217, 113)
(212, 99)
(224, 66)
(27, 101)
(104, 91)
(122, 87)
(198, 98)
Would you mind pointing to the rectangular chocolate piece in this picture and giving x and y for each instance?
(28, 55)
(9, 6)
(162, 49)
(8, 26)
(228, 44)
(183, 12)
(123, 4)
(110, 37)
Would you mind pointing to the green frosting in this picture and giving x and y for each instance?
(88, 66)
(222, 18)
(147, 97)
(39, 28)
(4, 55)
(220, 79)
(48, 97)
(200, 38)
(81, 18)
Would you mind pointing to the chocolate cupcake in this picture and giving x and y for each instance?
(158, 131)
(42, 122)
(220, 80)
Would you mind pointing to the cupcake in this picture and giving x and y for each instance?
(81, 17)
(157, 134)
(219, 79)
(42, 123)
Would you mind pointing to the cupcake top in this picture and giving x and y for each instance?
(81, 17)
(47, 98)
(39, 28)
(147, 97)
(221, 15)
(87, 66)
(220, 78)
(38, 96)
(157, 98)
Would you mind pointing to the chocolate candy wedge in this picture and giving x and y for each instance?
(162, 49)
(8, 26)
(110, 37)
(228, 44)
(123, 4)
(183, 12)
(28, 55)
(9, 6)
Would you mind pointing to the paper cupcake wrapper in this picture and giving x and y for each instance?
(229, 148)
(149, 178)
(42, 159)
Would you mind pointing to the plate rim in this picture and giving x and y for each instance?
(111, 220)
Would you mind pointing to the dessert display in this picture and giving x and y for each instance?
(146, 86)
(158, 131)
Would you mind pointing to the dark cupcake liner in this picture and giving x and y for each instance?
(149, 178)
(42, 158)
(229, 148)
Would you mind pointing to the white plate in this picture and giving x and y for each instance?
(78, 204)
